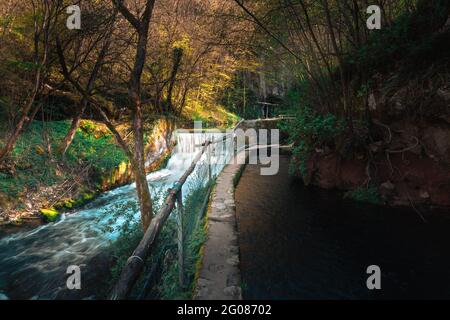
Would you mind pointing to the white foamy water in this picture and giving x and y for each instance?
(33, 263)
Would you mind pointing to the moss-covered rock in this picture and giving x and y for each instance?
(50, 215)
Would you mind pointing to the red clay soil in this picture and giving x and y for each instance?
(405, 179)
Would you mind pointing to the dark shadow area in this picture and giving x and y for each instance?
(305, 243)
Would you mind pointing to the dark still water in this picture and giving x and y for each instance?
(302, 243)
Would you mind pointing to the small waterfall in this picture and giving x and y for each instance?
(33, 263)
(189, 144)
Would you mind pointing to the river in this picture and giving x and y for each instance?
(306, 243)
(33, 263)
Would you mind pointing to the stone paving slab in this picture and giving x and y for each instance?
(219, 275)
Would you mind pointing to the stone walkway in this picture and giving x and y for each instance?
(219, 276)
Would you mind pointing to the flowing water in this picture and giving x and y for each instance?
(299, 242)
(33, 264)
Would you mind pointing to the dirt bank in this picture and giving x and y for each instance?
(400, 146)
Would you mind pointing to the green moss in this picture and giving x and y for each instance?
(88, 196)
(69, 204)
(50, 215)
(368, 194)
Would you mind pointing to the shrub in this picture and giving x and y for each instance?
(368, 194)
(308, 131)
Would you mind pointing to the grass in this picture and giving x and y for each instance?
(38, 164)
(170, 288)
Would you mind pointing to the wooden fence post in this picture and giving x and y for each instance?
(209, 163)
(135, 263)
(180, 220)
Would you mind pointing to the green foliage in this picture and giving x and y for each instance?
(24, 65)
(368, 194)
(169, 287)
(50, 215)
(295, 95)
(308, 131)
(217, 117)
(240, 99)
(33, 163)
(387, 44)
(36, 157)
(100, 152)
(410, 40)
(130, 233)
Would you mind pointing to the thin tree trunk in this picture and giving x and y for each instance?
(142, 26)
(67, 141)
(177, 56)
(24, 118)
(145, 201)
(340, 59)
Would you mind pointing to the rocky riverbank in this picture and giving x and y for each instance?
(407, 158)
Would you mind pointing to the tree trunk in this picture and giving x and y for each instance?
(67, 141)
(143, 192)
(40, 63)
(24, 119)
(177, 56)
(142, 25)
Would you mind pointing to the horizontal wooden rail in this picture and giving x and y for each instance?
(135, 263)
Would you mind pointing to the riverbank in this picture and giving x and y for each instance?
(101, 236)
(384, 137)
(37, 184)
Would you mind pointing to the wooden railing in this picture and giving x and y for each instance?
(135, 263)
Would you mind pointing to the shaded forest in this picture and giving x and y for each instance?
(85, 110)
(362, 98)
